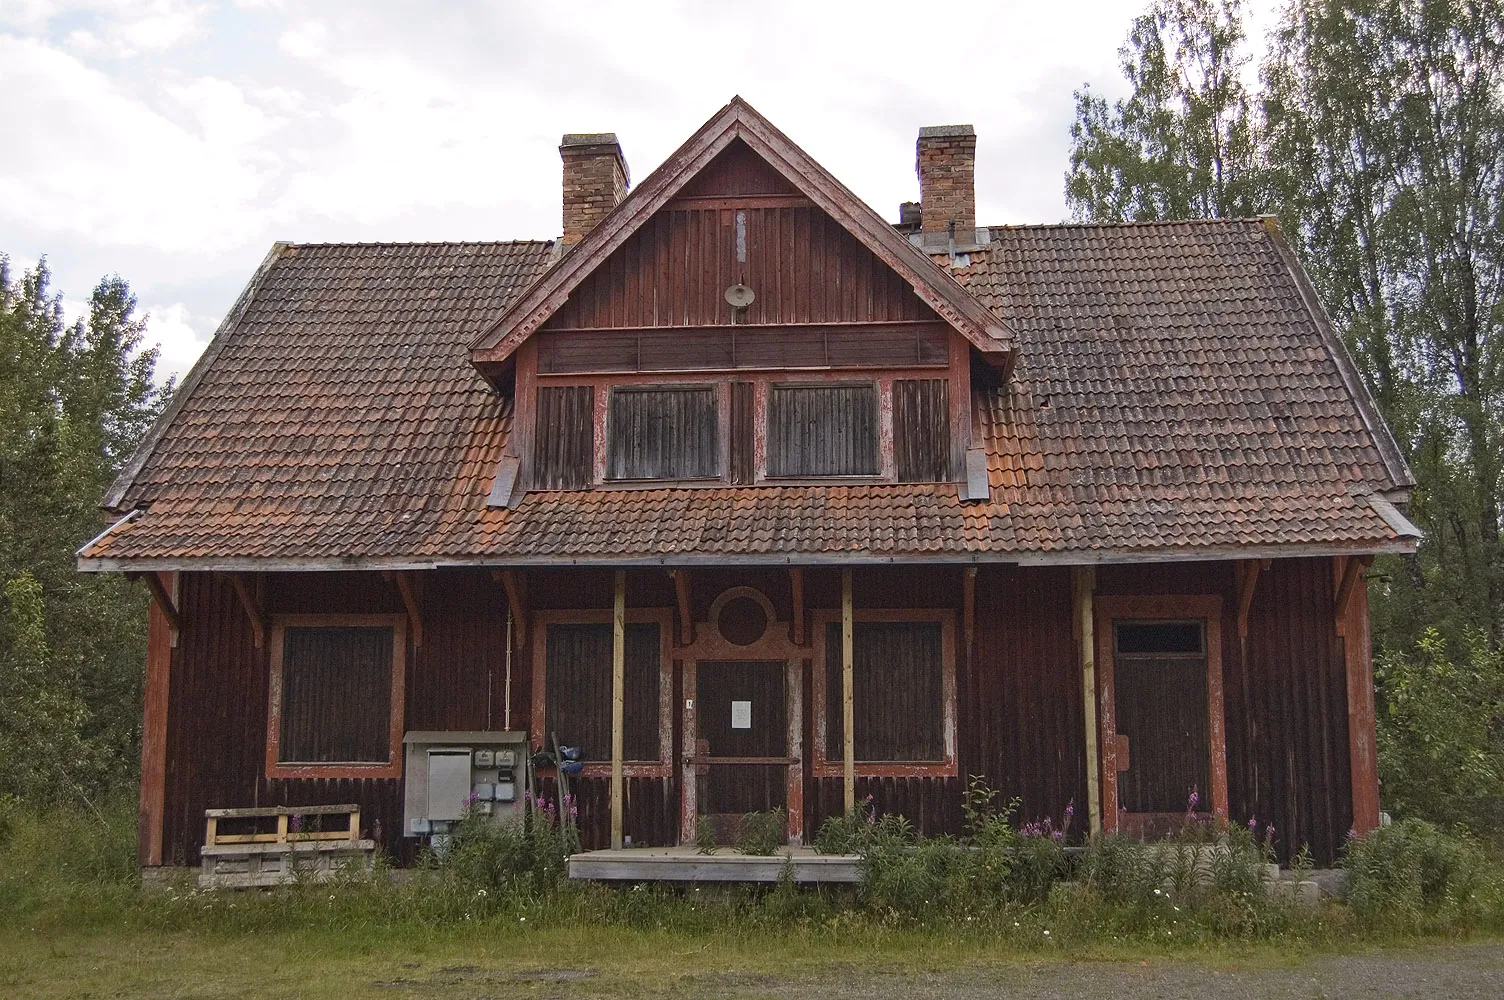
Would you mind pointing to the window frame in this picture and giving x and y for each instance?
(822, 765)
(881, 424)
(664, 618)
(392, 766)
(721, 439)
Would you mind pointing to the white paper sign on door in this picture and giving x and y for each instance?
(741, 715)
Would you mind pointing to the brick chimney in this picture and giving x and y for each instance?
(595, 181)
(946, 158)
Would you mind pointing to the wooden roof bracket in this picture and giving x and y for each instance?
(1352, 570)
(796, 587)
(681, 595)
(407, 586)
(1248, 579)
(516, 588)
(249, 603)
(163, 600)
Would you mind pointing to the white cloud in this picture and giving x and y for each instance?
(174, 141)
(101, 164)
(180, 336)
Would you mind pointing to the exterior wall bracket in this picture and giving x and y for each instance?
(516, 588)
(162, 599)
(407, 586)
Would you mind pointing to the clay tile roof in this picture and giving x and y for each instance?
(1174, 397)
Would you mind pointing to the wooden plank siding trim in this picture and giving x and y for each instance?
(1083, 585)
(821, 766)
(618, 700)
(669, 350)
(392, 766)
(664, 618)
(1357, 653)
(154, 722)
(1206, 608)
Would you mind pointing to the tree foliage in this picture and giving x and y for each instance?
(1438, 754)
(75, 399)
(1376, 135)
(1182, 144)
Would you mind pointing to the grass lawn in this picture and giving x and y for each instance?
(497, 961)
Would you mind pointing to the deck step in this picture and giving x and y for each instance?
(646, 864)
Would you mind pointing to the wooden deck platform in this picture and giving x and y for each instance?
(686, 864)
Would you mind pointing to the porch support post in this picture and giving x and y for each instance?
(848, 709)
(618, 701)
(1084, 579)
(161, 632)
(1357, 651)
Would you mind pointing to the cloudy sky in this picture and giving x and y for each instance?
(173, 141)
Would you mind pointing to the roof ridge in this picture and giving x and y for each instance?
(421, 243)
(1133, 224)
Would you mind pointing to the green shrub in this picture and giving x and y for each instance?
(529, 857)
(1412, 873)
(704, 835)
(847, 833)
(1124, 872)
(762, 833)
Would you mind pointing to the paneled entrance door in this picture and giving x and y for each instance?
(1164, 748)
(741, 749)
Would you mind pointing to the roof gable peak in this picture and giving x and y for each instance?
(739, 121)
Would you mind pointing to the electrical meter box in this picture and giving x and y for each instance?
(452, 774)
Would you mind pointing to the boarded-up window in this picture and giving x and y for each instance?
(662, 433)
(578, 689)
(921, 430)
(898, 691)
(564, 438)
(824, 430)
(336, 695)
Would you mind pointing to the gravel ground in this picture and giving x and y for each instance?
(1457, 972)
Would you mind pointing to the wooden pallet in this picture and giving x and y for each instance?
(266, 857)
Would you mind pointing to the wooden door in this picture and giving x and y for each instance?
(1160, 673)
(741, 751)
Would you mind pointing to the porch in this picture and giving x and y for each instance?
(686, 864)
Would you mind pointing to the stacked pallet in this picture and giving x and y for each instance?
(281, 845)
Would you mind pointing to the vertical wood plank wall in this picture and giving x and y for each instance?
(1019, 712)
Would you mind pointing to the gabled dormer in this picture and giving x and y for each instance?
(739, 319)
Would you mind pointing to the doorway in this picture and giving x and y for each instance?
(741, 751)
(1162, 731)
(1160, 670)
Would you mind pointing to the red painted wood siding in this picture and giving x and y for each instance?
(1018, 692)
(802, 266)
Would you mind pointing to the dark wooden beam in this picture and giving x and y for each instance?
(681, 593)
(247, 601)
(1248, 579)
(516, 587)
(969, 607)
(162, 598)
(796, 584)
(407, 586)
(1351, 573)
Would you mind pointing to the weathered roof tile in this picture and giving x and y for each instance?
(1172, 394)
